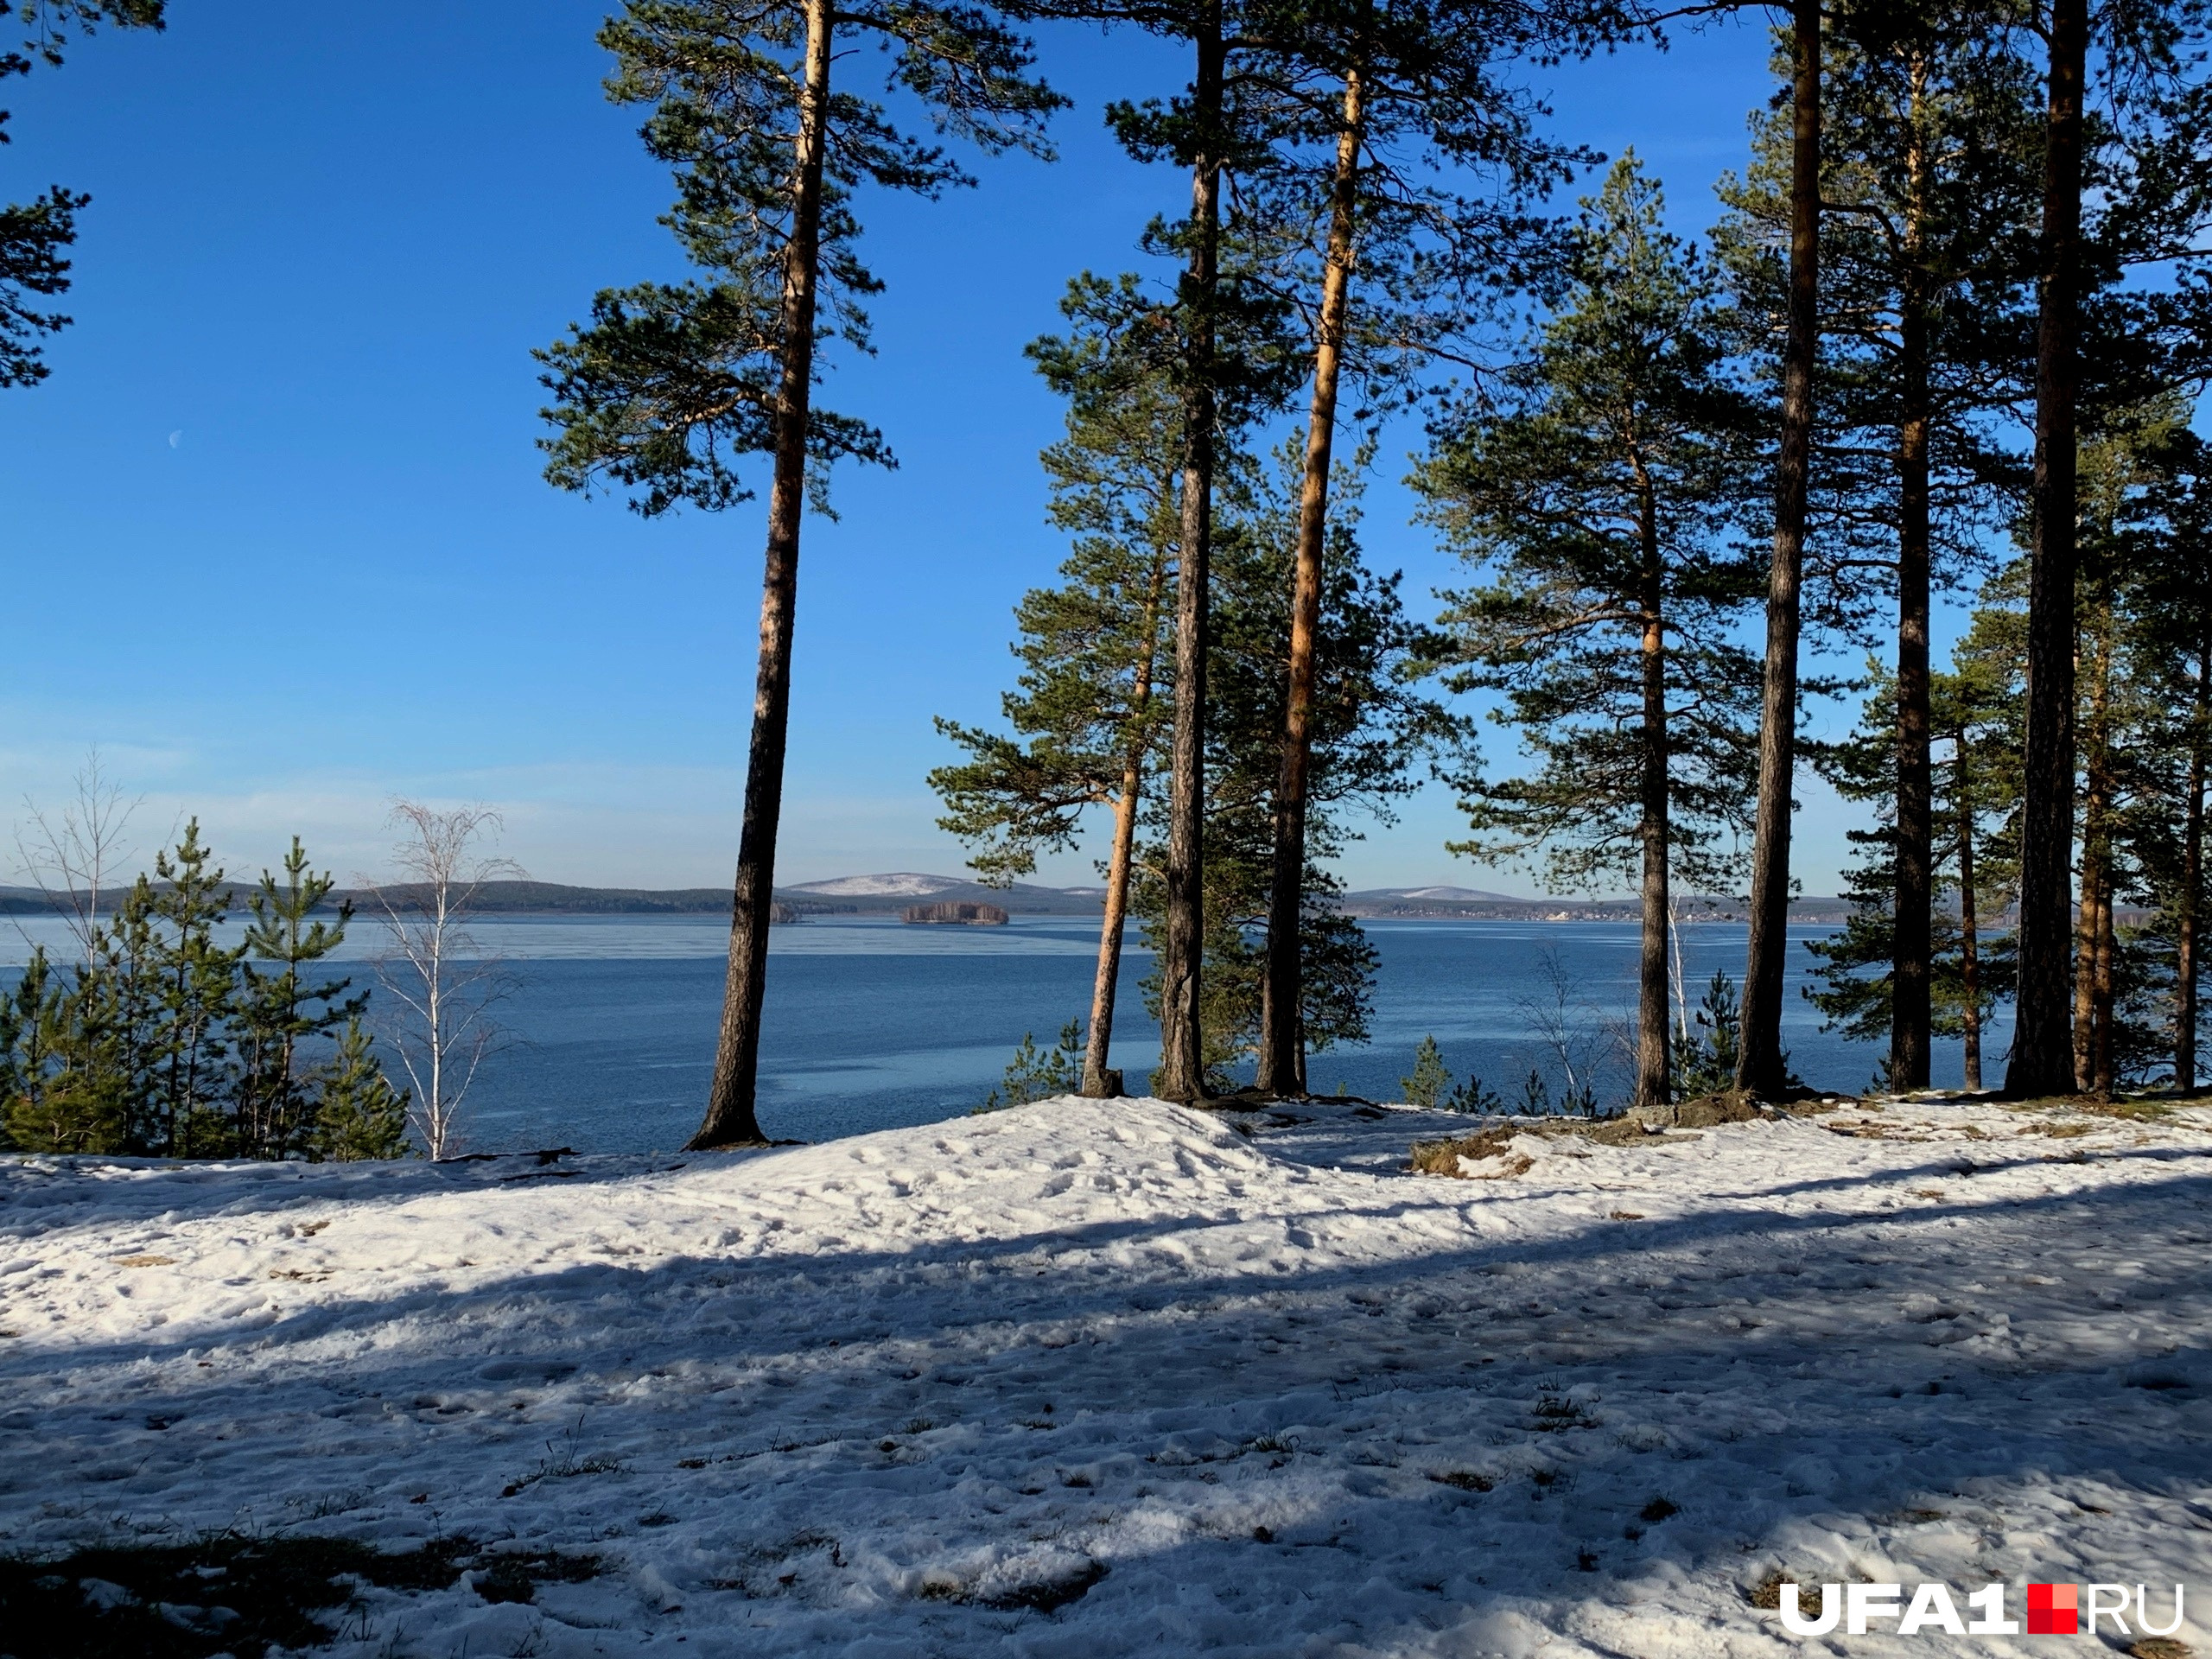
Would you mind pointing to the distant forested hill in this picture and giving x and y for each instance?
(1022, 898)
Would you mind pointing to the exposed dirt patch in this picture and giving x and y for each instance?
(228, 1593)
(1443, 1157)
(1465, 1479)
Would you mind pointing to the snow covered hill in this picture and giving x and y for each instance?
(1100, 1378)
(899, 884)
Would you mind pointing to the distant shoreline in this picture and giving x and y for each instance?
(549, 899)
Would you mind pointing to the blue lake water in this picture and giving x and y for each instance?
(871, 1023)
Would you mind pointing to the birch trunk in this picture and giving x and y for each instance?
(1969, 921)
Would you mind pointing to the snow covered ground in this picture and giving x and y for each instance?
(1094, 1378)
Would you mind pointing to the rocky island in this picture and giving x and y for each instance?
(956, 915)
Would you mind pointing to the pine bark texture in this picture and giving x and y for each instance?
(1182, 1063)
(2092, 963)
(1654, 1084)
(1282, 1047)
(1761, 1070)
(2042, 1059)
(1911, 1007)
(2186, 907)
(731, 1119)
(1098, 1082)
(2100, 1046)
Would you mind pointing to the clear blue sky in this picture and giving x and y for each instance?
(274, 534)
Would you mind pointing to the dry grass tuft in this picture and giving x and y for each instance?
(1442, 1157)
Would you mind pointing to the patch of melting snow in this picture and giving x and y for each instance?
(1117, 1377)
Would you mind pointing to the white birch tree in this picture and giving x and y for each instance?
(444, 983)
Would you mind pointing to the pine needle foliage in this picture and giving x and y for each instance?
(1374, 726)
(162, 1042)
(35, 236)
(671, 385)
(1429, 1079)
(358, 1115)
(281, 1007)
(1094, 690)
(1039, 1074)
(1624, 424)
(1606, 501)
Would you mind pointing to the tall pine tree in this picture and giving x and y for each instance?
(281, 1007)
(1607, 503)
(1401, 165)
(1927, 183)
(1088, 711)
(672, 384)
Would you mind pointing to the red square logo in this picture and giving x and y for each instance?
(2053, 1610)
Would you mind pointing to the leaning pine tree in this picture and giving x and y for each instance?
(1199, 132)
(1604, 503)
(671, 384)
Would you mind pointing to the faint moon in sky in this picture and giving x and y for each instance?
(176, 438)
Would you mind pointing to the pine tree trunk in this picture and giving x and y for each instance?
(2096, 854)
(1282, 1048)
(1969, 921)
(2042, 1057)
(2192, 882)
(731, 1119)
(1653, 1085)
(2100, 1048)
(1095, 1082)
(1911, 1012)
(1182, 1052)
(2085, 959)
(1760, 1069)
